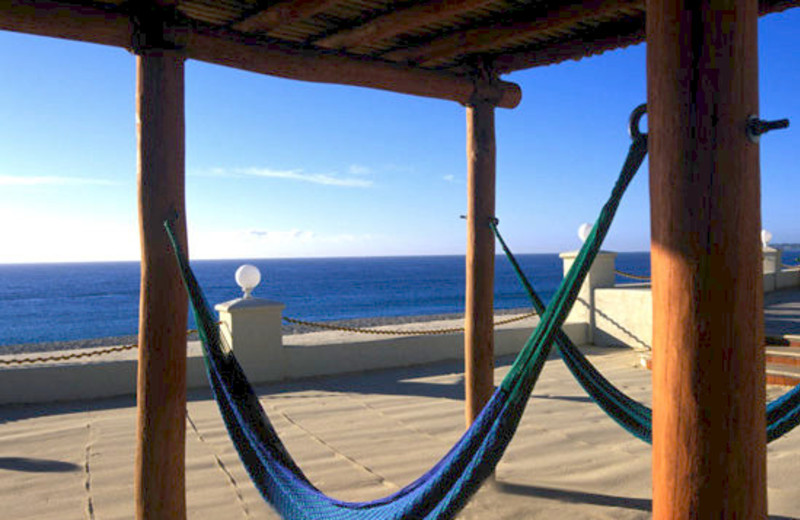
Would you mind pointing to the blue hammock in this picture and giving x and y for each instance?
(783, 414)
(444, 489)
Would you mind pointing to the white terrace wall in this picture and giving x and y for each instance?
(253, 329)
(622, 315)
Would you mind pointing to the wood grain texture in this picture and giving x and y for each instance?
(159, 485)
(66, 20)
(227, 48)
(279, 13)
(479, 306)
(475, 40)
(399, 21)
(709, 440)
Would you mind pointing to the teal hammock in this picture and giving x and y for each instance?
(444, 489)
(783, 414)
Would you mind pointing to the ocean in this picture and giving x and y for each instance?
(66, 302)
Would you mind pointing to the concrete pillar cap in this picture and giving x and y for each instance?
(248, 304)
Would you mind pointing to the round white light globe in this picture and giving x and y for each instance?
(248, 277)
(766, 236)
(584, 230)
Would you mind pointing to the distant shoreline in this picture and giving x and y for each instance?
(287, 328)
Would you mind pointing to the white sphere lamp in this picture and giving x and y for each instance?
(584, 230)
(248, 277)
(766, 236)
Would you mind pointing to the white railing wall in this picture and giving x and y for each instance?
(622, 314)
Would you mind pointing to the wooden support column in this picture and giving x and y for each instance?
(709, 440)
(479, 307)
(161, 385)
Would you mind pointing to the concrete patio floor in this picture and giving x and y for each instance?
(360, 437)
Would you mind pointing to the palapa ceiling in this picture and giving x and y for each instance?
(448, 37)
(444, 35)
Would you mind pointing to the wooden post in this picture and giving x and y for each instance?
(161, 386)
(709, 440)
(479, 307)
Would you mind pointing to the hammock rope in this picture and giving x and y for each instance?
(444, 489)
(627, 412)
(783, 413)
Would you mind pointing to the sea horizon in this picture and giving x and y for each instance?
(58, 302)
(415, 255)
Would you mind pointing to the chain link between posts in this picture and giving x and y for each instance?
(397, 332)
(632, 276)
(329, 326)
(73, 355)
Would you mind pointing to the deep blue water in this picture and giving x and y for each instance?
(61, 302)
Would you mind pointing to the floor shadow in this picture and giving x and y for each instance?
(595, 499)
(782, 312)
(28, 465)
(576, 497)
(403, 381)
(18, 412)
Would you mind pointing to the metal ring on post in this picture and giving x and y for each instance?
(636, 117)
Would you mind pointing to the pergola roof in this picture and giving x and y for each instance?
(429, 47)
(440, 34)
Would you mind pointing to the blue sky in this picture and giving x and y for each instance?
(279, 168)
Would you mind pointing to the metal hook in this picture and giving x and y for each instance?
(756, 127)
(636, 117)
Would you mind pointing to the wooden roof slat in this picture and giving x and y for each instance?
(582, 47)
(283, 13)
(424, 47)
(398, 22)
(216, 11)
(493, 37)
(570, 49)
(93, 24)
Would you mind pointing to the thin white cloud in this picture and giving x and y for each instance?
(51, 180)
(355, 178)
(314, 178)
(449, 178)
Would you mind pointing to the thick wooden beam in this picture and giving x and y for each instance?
(223, 47)
(479, 305)
(709, 440)
(159, 484)
(399, 21)
(283, 13)
(491, 37)
(66, 20)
